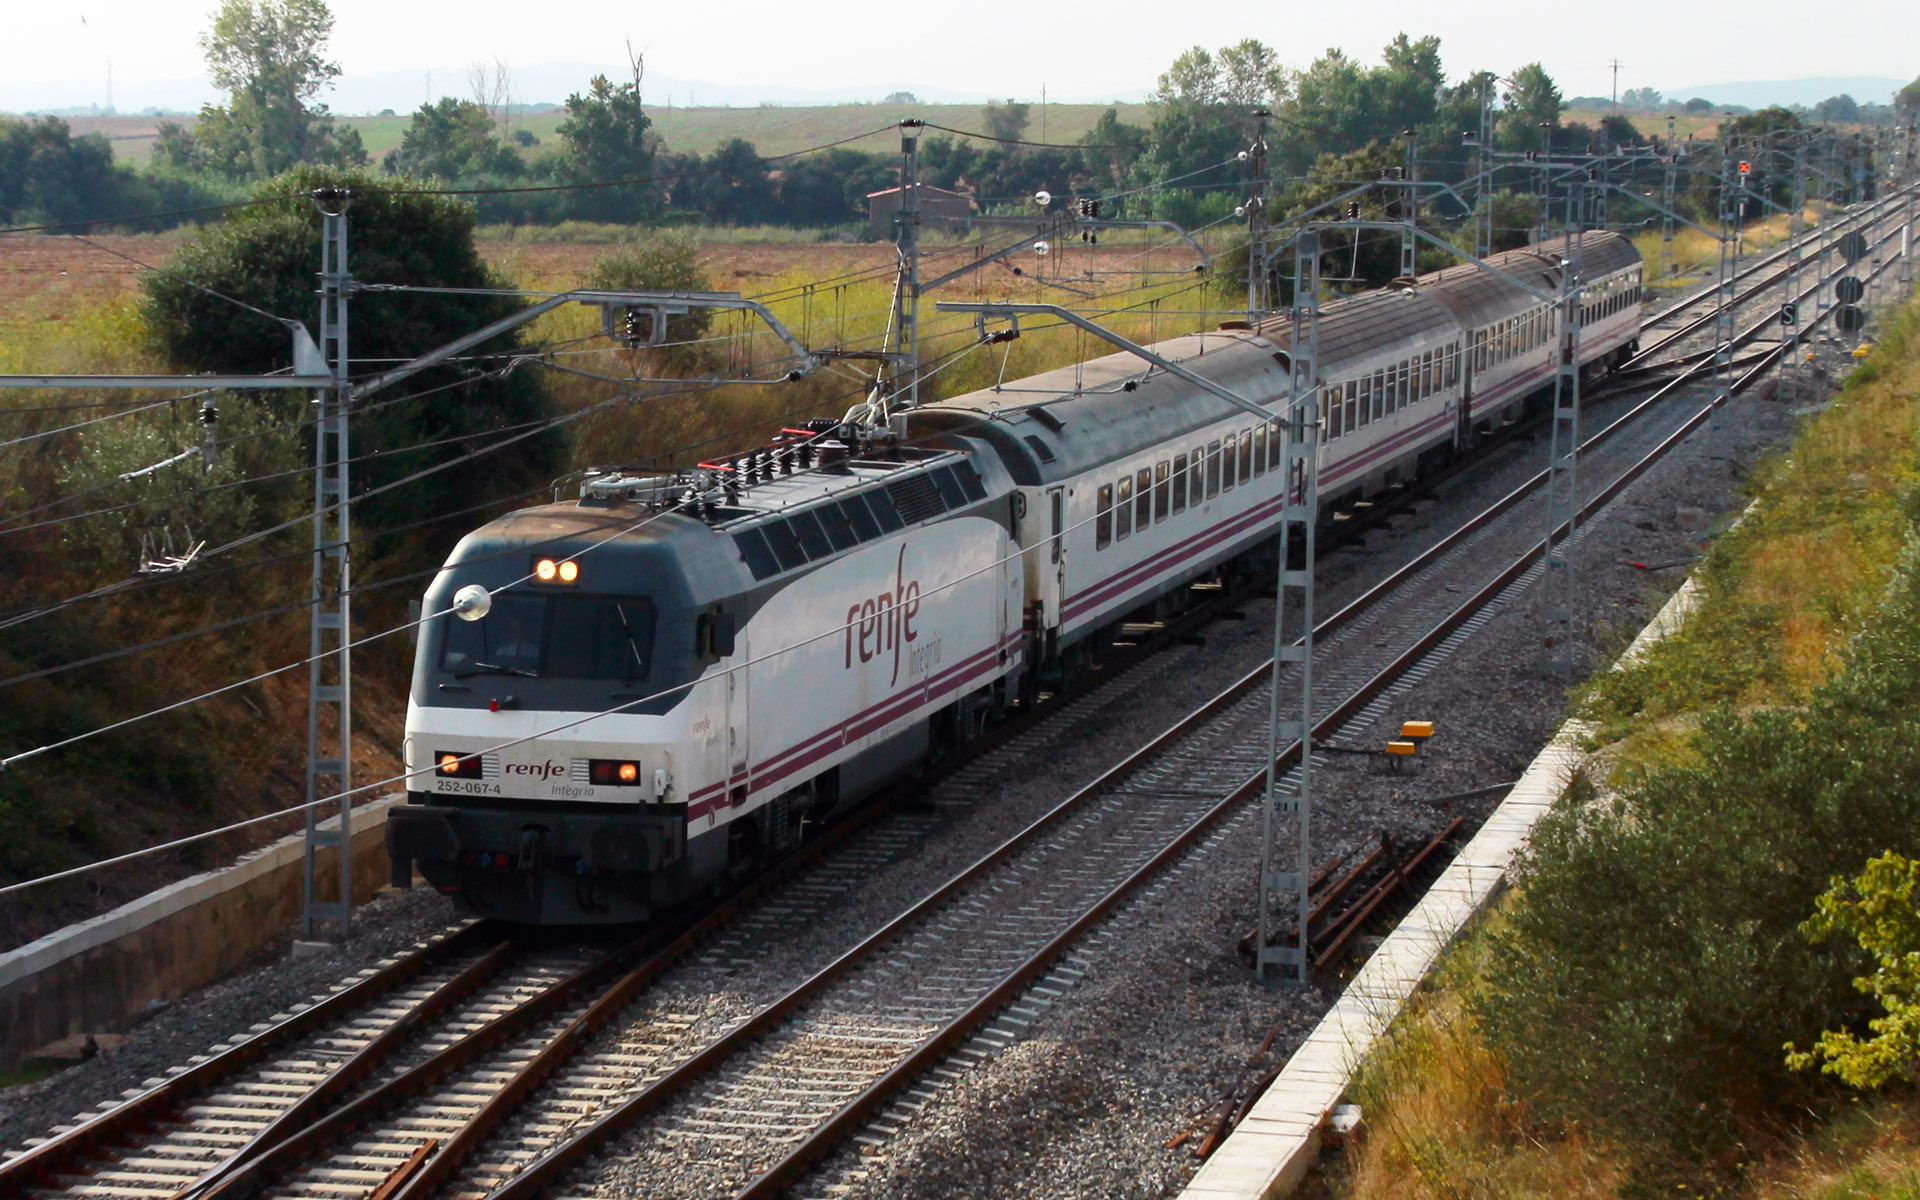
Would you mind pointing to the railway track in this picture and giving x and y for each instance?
(1824, 242)
(481, 1067)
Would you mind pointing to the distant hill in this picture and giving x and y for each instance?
(1868, 89)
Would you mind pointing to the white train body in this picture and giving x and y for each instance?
(710, 678)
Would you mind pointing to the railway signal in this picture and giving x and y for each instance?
(1848, 290)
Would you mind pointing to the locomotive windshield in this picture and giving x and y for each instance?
(556, 637)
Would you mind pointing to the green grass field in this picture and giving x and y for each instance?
(772, 129)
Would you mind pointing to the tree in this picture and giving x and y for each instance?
(1533, 110)
(1907, 99)
(1640, 97)
(606, 136)
(1194, 78)
(1838, 110)
(266, 255)
(1006, 121)
(1112, 147)
(1250, 76)
(452, 139)
(1409, 82)
(270, 57)
(732, 185)
(48, 175)
(1876, 911)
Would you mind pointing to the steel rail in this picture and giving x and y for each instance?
(830, 1133)
(1867, 219)
(536, 1177)
(1872, 213)
(32, 1167)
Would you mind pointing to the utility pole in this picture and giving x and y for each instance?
(1616, 85)
(330, 669)
(1789, 314)
(1542, 173)
(1483, 170)
(1410, 208)
(1561, 594)
(1294, 594)
(1259, 302)
(1669, 179)
(1732, 213)
(907, 242)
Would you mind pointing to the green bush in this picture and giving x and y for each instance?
(665, 261)
(1654, 960)
(267, 255)
(185, 501)
(1877, 912)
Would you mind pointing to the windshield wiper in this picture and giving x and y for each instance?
(481, 668)
(620, 610)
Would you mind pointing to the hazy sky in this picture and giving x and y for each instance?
(1099, 51)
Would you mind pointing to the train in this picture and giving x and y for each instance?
(628, 700)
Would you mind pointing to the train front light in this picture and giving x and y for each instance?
(449, 765)
(613, 772)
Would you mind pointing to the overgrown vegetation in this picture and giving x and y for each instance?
(1620, 1025)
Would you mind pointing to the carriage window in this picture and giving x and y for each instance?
(1380, 382)
(1426, 375)
(1260, 449)
(1273, 444)
(1161, 473)
(1400, 392)
(1213, 469)
(1246, 456)
(1103, 520)
(1453, 366)
(1143, 498)
(1356, 397)
(1179, 483)
(1226, 466)
(1123, 509)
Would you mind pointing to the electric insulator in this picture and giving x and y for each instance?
(631, 332)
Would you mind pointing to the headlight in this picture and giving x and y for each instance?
(448, 764)
(613, 772)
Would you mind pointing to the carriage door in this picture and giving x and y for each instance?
(739, 720)
(1463, 435)
(1057, 546)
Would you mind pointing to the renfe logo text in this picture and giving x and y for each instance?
(884, 624)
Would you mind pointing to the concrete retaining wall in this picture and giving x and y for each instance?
(100, 975)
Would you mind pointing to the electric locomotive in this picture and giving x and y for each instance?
(629, 698)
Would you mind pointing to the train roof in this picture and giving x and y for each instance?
(1064, 422)
(1370, 325)
(1477, 297)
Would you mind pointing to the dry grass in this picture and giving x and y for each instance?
(1439, 1123)
(1871, 1153)
(1696, 255)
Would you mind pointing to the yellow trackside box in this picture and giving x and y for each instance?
(1402, 747)
(1416, 729)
